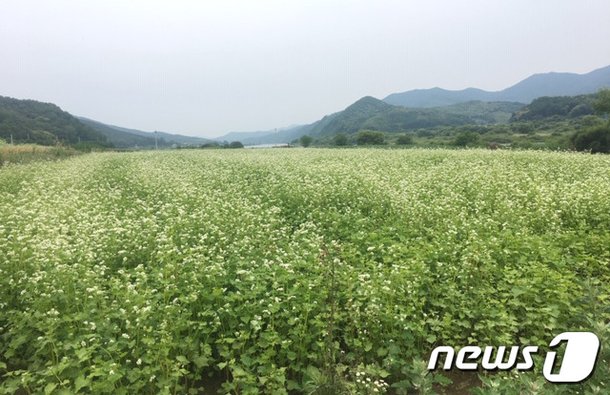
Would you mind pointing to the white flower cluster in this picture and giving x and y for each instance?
(368, 385)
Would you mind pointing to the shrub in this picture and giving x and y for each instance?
(306, 140)
(602, 102)
(466, 139)
(369, 137)
(404, 139)
(340, 140)
(596, 139)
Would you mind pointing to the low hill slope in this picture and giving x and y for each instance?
(132, 138)
(30, 121)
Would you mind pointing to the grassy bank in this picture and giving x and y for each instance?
(25, 153)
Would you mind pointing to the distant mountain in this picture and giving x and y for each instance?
(131, 138)
(537, 85)
(275, 136)
(435, 97)
(424, 108)
(30, 121)
(240, 136)
(375, 114)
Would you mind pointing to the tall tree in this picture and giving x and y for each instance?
(602, 102)
(306, 140)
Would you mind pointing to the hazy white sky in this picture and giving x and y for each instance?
(208, 67)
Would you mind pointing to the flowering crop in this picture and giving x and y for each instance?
(291, 270)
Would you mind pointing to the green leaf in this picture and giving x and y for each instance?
(237, 371)
(48, 389)
(442, 380)
(82, 354)
(80, 382)
(200, 361)
(292, 385)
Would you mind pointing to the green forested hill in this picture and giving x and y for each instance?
(559, 106)
(362, 115)
(131, 138)
(120, 139)
(369, 113)
(30, 121)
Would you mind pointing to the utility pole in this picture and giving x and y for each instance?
(156, 144)
(11, 138)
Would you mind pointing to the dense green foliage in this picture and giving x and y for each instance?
(596, 140)
(467, 139)
(558, 106)
(306, 140)
(602, 102)
(370, 113)
(404, 139)
(294, 270)
(29, 121)
(369, 137)
(547, 134)
(340, 140)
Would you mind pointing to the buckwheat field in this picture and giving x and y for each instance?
(298, 270)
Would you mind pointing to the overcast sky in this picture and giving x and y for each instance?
(208, 67)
